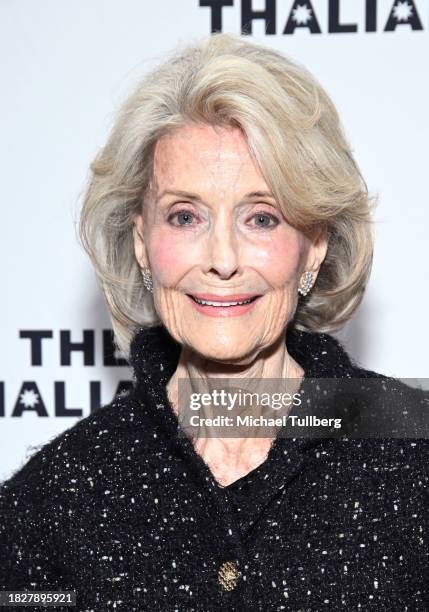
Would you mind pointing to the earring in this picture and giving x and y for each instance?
(147, 279)
(306, 282)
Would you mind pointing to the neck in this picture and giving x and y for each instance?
(232, 458)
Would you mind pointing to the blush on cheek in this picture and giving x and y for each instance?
(279, 262)
(171, 259)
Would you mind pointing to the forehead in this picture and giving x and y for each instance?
(202, 155)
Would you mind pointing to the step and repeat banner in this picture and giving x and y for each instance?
(66, 68)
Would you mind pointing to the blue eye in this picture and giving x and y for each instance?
(181, 214)
(266, 216)
(186, 218)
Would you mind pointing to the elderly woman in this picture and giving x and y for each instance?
(230, 228)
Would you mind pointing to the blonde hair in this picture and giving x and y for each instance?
(294, 133)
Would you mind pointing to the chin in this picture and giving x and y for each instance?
(223, 352)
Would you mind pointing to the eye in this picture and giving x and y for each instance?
(184, 217)
(265, 219)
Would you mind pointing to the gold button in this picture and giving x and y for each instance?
(228, 575)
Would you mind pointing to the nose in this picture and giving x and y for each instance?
(223, 255)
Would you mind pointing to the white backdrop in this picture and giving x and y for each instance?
(66, 67)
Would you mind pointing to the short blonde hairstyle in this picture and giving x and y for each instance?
(294, 133)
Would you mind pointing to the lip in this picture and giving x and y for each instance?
(233, 297)
(224, 311)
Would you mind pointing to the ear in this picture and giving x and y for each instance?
(139, 246)
(317, 250)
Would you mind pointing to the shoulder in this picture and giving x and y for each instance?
(395, 439)
(387, 435)
(42, 496)
(91, 447)
(66, 483)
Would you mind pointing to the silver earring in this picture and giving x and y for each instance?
(147, 279)
(306, 282)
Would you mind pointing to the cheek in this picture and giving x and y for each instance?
(170, 257)
(280, 259)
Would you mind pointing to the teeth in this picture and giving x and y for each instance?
(220, 304)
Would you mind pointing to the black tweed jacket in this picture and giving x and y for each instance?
(122, 510)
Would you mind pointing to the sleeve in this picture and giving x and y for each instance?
(27, 549)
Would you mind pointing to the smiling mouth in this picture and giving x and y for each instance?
(224, 303)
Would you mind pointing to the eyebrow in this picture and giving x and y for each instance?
(194, 196)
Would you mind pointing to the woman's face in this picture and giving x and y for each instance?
(213, 231)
